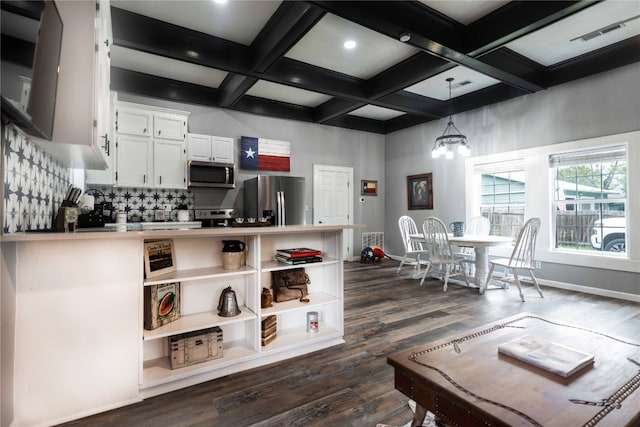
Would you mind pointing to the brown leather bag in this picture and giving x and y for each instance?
(290, 284)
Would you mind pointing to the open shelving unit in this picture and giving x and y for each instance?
(198, 274)
(194, 322)
(158, 371)
(202, 279)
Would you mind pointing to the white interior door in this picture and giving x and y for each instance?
(333, 200)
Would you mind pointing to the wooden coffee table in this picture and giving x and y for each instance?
(465, 382)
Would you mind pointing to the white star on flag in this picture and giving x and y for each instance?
(250, 153)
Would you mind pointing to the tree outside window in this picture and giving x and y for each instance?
(590, 196)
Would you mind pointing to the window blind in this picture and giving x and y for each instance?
(497, 167)
(597, 155)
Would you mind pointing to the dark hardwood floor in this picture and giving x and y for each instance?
(351, 384)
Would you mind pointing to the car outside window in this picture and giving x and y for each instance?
(590, 198)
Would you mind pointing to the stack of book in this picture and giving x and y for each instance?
(268, 330)
(293, 256)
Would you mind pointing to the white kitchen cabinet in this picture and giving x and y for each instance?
(131, 120)
(209, 148)
(134, 161)
(82, 97)
(222, 148)
(199, 147)
(151, 145)
(169, 126)
(103, 105)
(169, 164)
(107, 176)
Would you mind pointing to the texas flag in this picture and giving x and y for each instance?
(265, 154)
(369, 187)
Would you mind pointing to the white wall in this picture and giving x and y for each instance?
(604, 104)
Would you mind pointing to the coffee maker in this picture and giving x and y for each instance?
(101, 214)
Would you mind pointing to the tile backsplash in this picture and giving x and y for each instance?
(140, 204)
(34, 184)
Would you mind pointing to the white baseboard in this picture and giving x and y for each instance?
(573, 287)
(590, 290)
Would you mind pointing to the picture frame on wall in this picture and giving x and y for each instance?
(368, 187)
(159, 258)
(420, 191)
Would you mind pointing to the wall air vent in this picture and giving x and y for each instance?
(604, 30)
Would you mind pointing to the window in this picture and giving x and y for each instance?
(590, 198)
(502, 196)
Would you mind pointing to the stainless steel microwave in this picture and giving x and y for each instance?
(211, 175)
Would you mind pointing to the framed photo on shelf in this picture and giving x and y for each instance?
(420, 191)
(368, 187)
(159, 258)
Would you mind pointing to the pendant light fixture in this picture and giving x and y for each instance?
(444, 144)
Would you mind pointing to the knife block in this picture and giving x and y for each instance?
(67, 218)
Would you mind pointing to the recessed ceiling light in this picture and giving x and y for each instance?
(405, 37)
(349, 44)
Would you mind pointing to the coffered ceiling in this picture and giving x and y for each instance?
(286, 58)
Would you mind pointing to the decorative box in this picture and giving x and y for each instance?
(195, 347)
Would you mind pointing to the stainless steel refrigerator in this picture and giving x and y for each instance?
(281, 199)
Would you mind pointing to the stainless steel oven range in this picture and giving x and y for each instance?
(214, 216)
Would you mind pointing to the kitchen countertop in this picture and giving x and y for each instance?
(104, 234)
(157, 225)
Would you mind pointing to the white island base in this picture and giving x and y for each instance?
(73, 337)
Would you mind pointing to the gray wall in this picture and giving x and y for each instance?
(603, 104)
(310, 144)
(599, 105)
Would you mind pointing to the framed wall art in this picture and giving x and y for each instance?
(420, 191)
(368, 188)
(159, 258)
(265, 154)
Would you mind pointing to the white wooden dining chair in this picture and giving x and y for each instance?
(522, 258)
(476, 226)
(440, 253)
(414, 254)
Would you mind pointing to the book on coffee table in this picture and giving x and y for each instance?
(550, 356)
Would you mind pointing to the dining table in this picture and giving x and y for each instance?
(480, 245)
